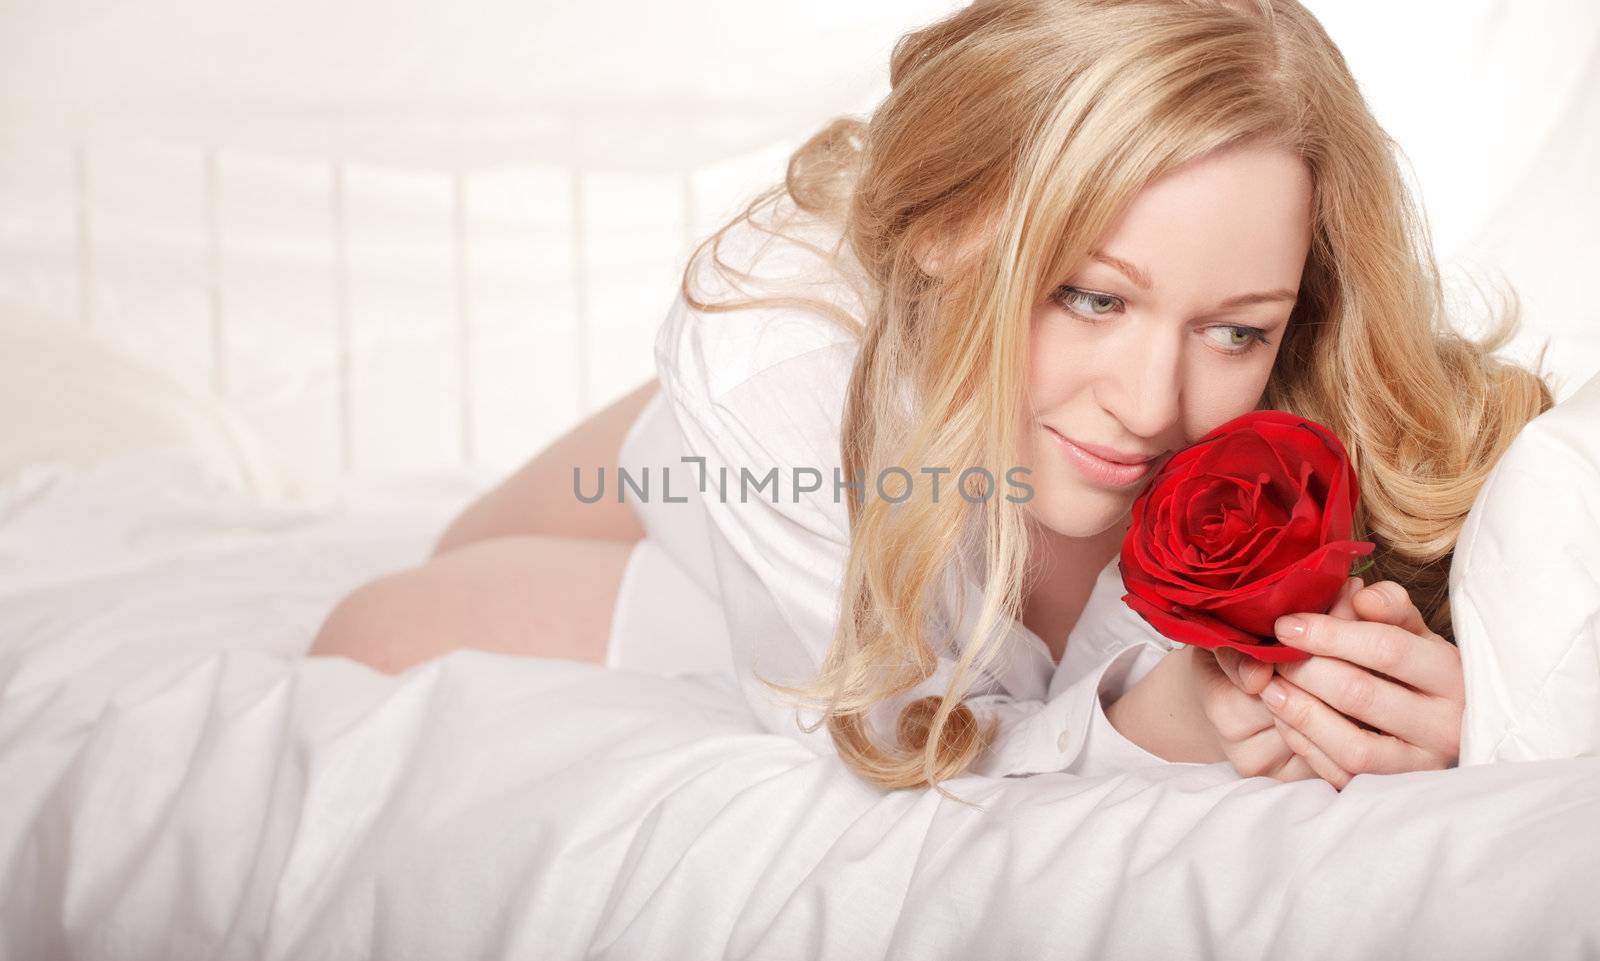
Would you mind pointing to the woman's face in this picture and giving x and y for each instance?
(1169, 330)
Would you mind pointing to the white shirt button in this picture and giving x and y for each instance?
(1061, 742)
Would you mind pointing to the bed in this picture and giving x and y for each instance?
(178, 781)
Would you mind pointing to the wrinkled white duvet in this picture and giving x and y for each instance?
(176, 782)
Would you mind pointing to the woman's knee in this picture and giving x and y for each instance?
(369, 625)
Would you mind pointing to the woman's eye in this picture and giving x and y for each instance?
(1086, 303)
(1229, 338)
(1238, 340)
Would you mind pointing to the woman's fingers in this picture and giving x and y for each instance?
(1421, 719)
(1267, 753)
(1253, 675)
(1296, 768)
(1247, 674)
(1261, 754)
(1228, 659)
(1344, 607)
(1312, 757)
(1237, 667)
(1376, 694)
(1235, 715)
(1244, 726)
(1254, 737)
(1424, 662)
(1389, 603)
(1238, 716)
(1350, 747)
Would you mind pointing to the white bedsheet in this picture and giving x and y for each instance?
(176, 782)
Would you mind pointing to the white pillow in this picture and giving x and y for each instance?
(1525, 593)
(67, 398)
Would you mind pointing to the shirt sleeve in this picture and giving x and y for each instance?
(1105, 749)
(1071, 732)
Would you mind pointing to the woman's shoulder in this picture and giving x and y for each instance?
(781, 252)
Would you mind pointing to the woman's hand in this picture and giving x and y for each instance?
(1386, 669)
(1244, 728)
(1249, 735)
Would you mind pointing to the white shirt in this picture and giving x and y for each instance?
(763, 388)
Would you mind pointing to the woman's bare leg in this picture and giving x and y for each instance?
(522, 570)
(538, 498)
(536, 596)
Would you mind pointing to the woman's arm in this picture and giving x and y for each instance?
(538, 498)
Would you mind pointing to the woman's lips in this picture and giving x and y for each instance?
(1099, 470)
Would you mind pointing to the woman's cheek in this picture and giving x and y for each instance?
(1046, 497)
(1221, 402)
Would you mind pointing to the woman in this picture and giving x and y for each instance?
(1073, 227)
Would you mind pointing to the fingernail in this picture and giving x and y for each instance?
(1275, 694)
(1290, 626)
(1376, 596)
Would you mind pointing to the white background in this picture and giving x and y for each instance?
(401, 236)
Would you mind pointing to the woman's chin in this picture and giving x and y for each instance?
(1087, 515)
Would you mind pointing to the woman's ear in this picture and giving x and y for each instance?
(938, 257)
(929, 255)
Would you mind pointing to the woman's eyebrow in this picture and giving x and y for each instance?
(1142, 281)
(1260, 297)
(1139, 277)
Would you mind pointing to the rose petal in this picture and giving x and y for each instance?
(1299, 536)
(1246, 454)
(1309, 587)
(1340, 505)
(1190, 627)
(1210, 506)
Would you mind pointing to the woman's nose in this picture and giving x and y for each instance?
(1149, 387)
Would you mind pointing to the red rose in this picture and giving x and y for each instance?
(1250, 523)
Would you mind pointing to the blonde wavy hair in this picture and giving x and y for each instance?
(1013, 134)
